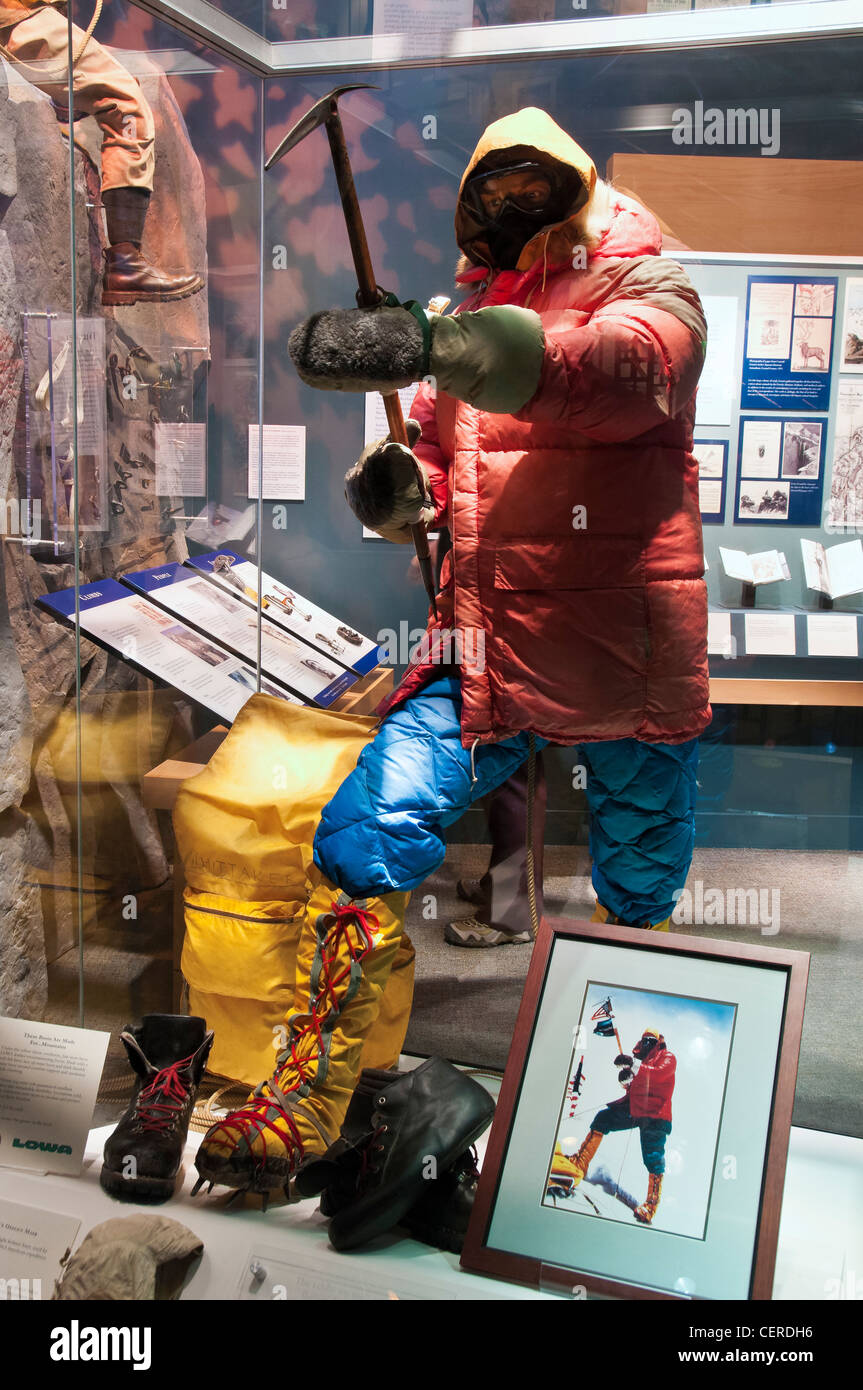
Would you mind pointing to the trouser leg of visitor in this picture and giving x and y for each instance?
(503, 886)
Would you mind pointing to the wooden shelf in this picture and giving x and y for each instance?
(726, 203)
(775, 692)
(161, 784)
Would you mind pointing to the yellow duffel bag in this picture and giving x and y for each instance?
(245, 828)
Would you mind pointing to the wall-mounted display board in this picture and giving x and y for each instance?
(779, 439)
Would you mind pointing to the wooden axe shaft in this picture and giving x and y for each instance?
(398, 432)
(369, 295)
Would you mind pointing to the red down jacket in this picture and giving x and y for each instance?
(588, 625)
(652, 1087)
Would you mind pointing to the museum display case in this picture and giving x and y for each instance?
(175, 532)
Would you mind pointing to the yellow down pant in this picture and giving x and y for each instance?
(245, 827)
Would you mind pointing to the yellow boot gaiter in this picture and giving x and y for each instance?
(245, 829)
(344, 958)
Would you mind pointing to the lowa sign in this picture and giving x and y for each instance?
(40, 1146)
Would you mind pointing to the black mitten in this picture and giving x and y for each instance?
(388, 488)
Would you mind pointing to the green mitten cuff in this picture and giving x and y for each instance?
(491, 359)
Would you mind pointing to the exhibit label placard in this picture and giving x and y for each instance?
(288, 609)
(33, 1244)
(789, 342)
(49, 1077)
(165, 649)
(208, 608)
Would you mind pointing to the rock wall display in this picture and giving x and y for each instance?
(127, 724)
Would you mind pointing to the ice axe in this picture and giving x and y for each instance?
(326, 113)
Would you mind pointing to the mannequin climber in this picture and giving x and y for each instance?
(563, 388)
(34, 36)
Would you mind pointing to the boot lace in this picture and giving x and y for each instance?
(161, 1100)
(369, 1149)
(352, 930)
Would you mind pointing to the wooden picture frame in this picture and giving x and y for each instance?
(563, 948)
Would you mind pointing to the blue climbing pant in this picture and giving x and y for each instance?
(653, 1133)
(384, 830)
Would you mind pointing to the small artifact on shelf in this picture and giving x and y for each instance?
(835, 573)
(222, 566)
(766, 567)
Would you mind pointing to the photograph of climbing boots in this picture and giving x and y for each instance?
(646, 1212)
(168, 1053)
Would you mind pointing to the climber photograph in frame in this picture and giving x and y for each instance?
(641, 1109)
(641, 1134)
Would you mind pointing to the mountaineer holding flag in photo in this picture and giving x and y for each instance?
(646, 1106)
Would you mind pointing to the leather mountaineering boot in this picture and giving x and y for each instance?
(344, 957)
(422, 1122)
(333, 1176)
(646, 1212)
(168, 1053)
(440, 1216)
(129, 276)
(584, 1157)
(564, 1170)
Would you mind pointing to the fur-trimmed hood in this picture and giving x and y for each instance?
(527, 134)
(618, 225)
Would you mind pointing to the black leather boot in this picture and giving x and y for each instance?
(142, 1157)
(417, 1124)
(442, 1214)
(439, 1217)
(334, 1175)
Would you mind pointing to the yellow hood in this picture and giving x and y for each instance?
(527, 134)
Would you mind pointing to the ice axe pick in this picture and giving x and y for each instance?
(326, 113)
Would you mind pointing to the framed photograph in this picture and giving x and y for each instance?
(641, 1135)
